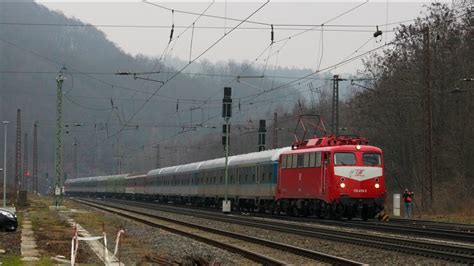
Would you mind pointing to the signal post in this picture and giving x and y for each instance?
(226, 114)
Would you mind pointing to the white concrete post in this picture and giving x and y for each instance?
(396, 204)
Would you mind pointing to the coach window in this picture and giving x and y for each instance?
(344, 158)
(306, 160)
(372, 159)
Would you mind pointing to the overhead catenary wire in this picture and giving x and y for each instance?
(301, 79)
(316, 72)
(267, 24)
(85, 107)
(76, 71)
(183, 68)
(294, 35)
(324, 23)
(276, 26)
(329, 28)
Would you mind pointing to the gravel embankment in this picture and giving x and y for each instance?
(348, 251)
(184, 249)
(141, 241)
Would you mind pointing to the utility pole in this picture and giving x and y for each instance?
(35, 158)
(157, 146)
(119, 159)
(427, 180)
(24, 186)
(58, 164)
(275, 130)
(226, 114)
(5, 125)
(335, 105)
(74, 173)
(17, 155)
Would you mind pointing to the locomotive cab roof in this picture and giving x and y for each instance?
(329, 141)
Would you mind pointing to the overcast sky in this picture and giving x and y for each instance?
(341, 37)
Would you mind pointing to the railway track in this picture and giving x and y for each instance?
(256, 249)
(448, 252)
(416, 228)
(466, 228)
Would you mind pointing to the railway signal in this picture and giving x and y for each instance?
(226, 114)
(262, 132)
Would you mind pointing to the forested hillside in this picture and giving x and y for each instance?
(424, 78)
(102, 110)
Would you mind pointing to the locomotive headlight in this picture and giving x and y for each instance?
(342, 185)
(358, 147)
(377, 185)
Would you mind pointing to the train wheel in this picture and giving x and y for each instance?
(365, 212)
(337, 211)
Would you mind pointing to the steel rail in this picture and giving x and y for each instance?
(459, 254)
(249, 254)
(434, 224)
(405, 228)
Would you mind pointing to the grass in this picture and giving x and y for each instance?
(133, 248)
(52, 232)
(12, 260)
(452, 218)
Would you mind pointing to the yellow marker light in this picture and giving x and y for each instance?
(343, 185)
(377, 185)
(358, 147)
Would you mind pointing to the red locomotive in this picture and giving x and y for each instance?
(332, 176)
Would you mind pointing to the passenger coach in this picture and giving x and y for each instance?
(328, 177)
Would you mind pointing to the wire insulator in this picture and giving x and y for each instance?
(272, 35)
(377, 33)
(172, 31)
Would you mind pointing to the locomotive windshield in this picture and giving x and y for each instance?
(344, 158)
(372, 159)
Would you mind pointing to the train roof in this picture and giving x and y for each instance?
(342, 148)
(257, 157)
(94, 178)
(242, 159)
(212, 164)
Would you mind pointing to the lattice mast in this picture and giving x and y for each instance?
(58, 158)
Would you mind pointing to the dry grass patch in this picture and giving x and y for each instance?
(134, 247)
(53, 234)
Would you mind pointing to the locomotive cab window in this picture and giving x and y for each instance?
(344, 158)
(306, 160)
(372, 159)
(283, 161)
(289, 158)
(300, 160)
(294, 161)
